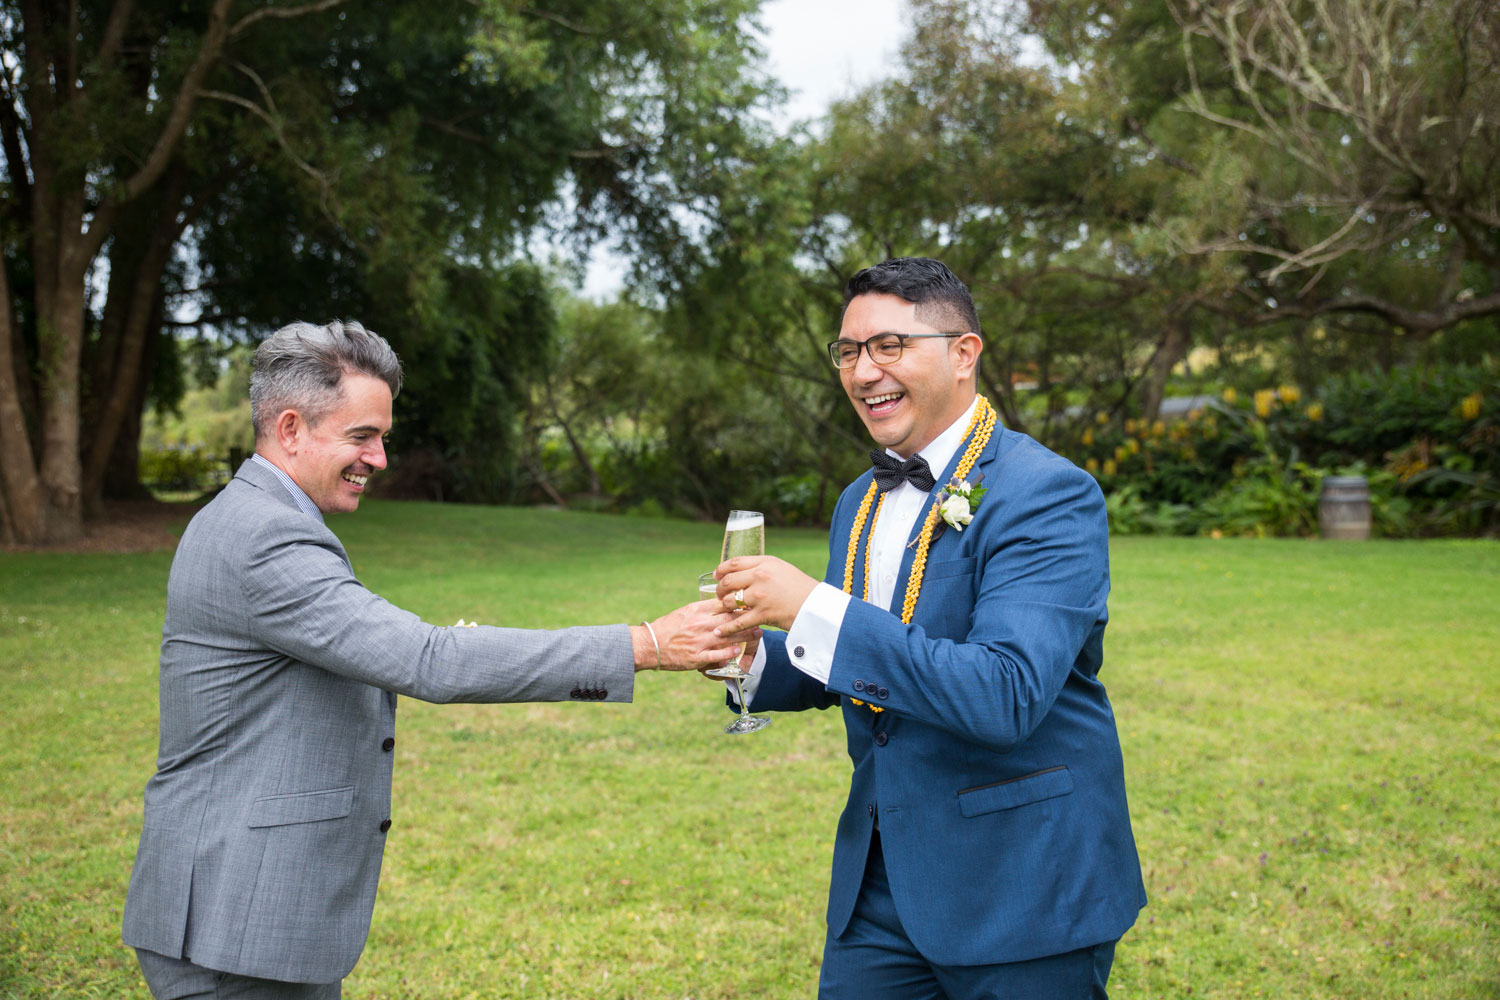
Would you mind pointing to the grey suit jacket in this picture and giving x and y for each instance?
(266, 819)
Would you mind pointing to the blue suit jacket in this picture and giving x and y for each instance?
(995, 768)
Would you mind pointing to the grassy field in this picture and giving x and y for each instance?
(1311, 734)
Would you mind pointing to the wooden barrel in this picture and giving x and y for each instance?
(1344, 508)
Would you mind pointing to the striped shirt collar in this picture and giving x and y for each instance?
(304, 503)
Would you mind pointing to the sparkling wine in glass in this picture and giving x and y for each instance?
(744, 534)
(707, 589)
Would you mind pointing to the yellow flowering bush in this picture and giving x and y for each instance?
(1427, 440)
(1264, 400)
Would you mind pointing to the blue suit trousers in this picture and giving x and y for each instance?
(874, 959)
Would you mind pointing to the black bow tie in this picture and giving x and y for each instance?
(890, 472)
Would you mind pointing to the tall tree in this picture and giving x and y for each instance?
(302, 159)
(1336, 160)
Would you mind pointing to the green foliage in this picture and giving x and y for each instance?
(393, 163)
(1130, 514)
(1426, 439)
(214, 416)
(1309, 745)
(182, 468)
(636, 410)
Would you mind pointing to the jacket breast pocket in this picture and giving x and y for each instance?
(950, 567)
(1012, 792)
(302, 807)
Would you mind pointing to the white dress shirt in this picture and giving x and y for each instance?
(815, 631)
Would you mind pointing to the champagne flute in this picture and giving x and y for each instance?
(744, 535)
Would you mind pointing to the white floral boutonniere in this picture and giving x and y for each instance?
(958, 502)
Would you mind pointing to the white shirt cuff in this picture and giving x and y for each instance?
(809, 644)
(814, 634)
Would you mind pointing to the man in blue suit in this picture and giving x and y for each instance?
(985, 849)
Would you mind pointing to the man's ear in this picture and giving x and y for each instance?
(966, 351)
(290, 429)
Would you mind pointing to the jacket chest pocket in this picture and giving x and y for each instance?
(946, 601)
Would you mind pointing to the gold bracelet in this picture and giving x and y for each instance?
(652, 633)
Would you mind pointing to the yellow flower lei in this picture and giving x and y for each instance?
(981, 425)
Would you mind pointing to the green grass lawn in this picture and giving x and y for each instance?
(1311, 734)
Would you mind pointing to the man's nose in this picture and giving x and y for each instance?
(865, 368)
(375, 454)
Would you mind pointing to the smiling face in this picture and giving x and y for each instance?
(332, 460)
(906, 404)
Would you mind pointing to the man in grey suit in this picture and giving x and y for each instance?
(266, 819)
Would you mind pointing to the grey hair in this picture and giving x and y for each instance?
(301, 367)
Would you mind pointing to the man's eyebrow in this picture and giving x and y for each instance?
(366, 428)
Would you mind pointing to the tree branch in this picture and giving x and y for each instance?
(1421, 321)
(559, 20)
(282, 13)
(276, 130)
(114, 32)
(85, 249)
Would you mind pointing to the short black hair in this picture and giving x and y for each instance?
(941, 299)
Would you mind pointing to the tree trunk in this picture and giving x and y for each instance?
(22, 512)
(122, 474)
(1170, 351)
(124, 391)
(61, 341)
(1004, 403)
(581, 456)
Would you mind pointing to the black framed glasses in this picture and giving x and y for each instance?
(884, 348)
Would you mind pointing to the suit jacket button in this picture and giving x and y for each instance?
(859, 685)
(871, 807)
(883, 693)
(881, 739)
(388, 744)
(385, 825)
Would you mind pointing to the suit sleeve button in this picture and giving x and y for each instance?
(859, 685)
(883, 693)
(388, 744)
(602, 693)
(385, 825)
(575, 693)
(881, 739)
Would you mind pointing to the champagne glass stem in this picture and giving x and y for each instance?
(739, 682)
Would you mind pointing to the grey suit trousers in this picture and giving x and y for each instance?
(179, 979)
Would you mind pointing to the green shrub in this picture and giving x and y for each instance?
(1267, 496)
(1426, 439)
(182, 468)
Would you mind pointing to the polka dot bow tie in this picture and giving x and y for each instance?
(891, 471)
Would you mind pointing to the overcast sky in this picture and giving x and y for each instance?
(821, 50)
(826, 49)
